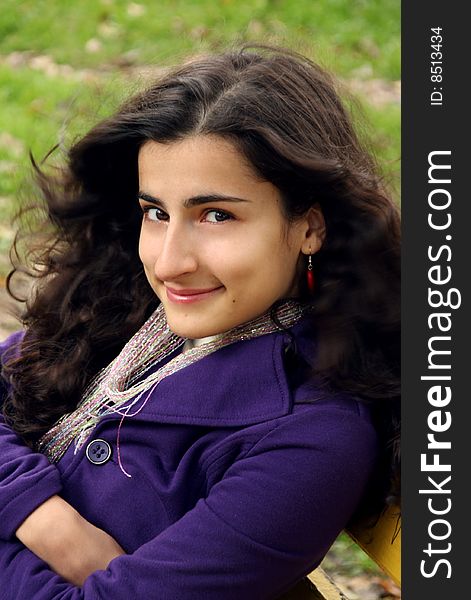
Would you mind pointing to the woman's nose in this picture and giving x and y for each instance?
(177, 254)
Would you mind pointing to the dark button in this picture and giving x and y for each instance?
(98, 452)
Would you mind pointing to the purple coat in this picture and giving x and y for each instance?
(241, 480)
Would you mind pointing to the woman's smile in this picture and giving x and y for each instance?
(188, 295)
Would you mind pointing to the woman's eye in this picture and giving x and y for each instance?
(217, 216)
(152, 213)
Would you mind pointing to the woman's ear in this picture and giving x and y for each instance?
(314, 233)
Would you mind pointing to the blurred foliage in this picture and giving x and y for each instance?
(346, 558)
(347, 35)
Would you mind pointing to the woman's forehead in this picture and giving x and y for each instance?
(199, 165)
(194, 146)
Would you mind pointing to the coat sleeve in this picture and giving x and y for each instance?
(27, 479)
(266, 524)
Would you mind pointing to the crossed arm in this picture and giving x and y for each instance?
(54, 531)
(261, 528)
(68, 543)
(46, 524)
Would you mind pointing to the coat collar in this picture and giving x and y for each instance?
(241, 384)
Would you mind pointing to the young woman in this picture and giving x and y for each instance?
(207, 384)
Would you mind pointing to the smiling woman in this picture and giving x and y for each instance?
(206, 390)
(219, 241)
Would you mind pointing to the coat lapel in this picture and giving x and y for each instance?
(240, 384)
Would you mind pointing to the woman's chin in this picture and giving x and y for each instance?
(191, 328)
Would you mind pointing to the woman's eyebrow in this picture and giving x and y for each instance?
(194, 200)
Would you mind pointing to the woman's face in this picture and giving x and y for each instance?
(214, 243)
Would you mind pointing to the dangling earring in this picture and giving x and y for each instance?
(310, 274)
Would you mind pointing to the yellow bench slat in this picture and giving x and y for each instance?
(382, 542)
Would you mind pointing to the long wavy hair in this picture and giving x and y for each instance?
(282, 112)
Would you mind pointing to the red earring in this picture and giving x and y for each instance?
(310, 276)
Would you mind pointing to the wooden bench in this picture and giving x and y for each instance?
(382, 543)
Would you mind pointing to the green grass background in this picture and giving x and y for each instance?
(103, 41)
(63, 65)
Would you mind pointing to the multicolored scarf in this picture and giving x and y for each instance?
(126, 384)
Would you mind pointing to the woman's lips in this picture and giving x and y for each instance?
(185, 296)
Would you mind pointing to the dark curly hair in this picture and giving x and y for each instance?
(283, 114)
